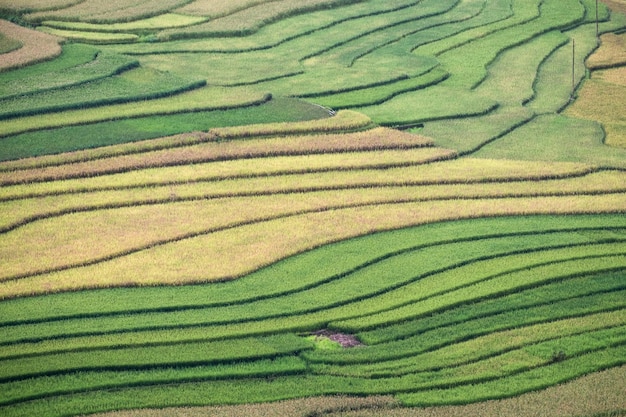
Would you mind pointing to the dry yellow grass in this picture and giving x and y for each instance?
(612, 52)
(36, 4)
(603, 98)
(604, 102)
(293, 408)
(36, 46)
(461, 170)
(613, 76)
(391, 185)
(616, 5)
(111, 11)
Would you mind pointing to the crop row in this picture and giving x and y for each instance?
(577, 330)
(257, 199)
(48, 386)
(251, 19)
(113, 11)
(398, 352)
(133, 85)
(210, 151)
(279, 112)
(580, 395)
(279, 32)
(372, 30)
(188, 354)
(362, 74)
(322, 168)
(351, 188)
(434, 22)
(77, 64)
(113, 30)
(538, 298)
(534, 369)
(207, 98)
(398, 295)
(467, 347)
(378, 95)
(119, 262)
(567, 309)
(362, 250)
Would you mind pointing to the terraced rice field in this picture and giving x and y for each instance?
(330, 207)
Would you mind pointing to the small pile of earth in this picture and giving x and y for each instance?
(345, 340)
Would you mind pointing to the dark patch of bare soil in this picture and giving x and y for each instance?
(345, 340)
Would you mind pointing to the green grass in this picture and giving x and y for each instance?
(378, 95)
(96, 38)
(67, 139)
(134, 85)
(560, 292)
(201, 99)
(94, 65)
(477, 130)
(72, 56)
(479, 346)
(563, 139)
(145, 357)
(314, 295)
(330, 261)
(8, 44)
(47, 386)
(162, 21)
(467, 63)
(437, 102)
(354, 288)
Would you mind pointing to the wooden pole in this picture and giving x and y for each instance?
(597, 21)
(573, 67)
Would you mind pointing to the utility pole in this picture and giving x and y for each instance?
(597, 24)
(573, 68)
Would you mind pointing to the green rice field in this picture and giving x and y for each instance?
(308, 208)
